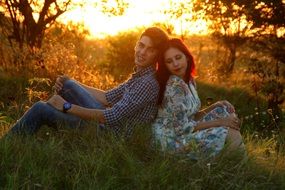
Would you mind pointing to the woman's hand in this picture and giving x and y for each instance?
(224, 103)
(59, 83)
(232, 121)
(57, 102)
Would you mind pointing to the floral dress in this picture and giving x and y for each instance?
(174, 125)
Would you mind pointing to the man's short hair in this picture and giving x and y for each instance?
(157, 35)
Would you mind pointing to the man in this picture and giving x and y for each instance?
(119, 109)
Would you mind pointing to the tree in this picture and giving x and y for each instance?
(28, 20)
(114, 7)
(31, 18)
(228, 23)
(260, 23)
(181, 11)
(269, 23)
(234, 22)
(268, 15)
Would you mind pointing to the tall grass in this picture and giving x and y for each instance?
(73, 159)
(92, 159)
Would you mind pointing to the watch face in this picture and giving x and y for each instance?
(66, 106)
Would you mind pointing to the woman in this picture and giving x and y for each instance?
(180, 127)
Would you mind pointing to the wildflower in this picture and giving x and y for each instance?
(269, 111)
(246, 117)
(209, 166)
(256, 113)
(255, 108)
(38, 185)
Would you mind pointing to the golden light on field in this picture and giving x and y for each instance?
(139, 13)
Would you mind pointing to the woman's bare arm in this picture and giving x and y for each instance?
(231, 121)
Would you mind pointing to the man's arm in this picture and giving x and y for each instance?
(99, 94)
(84, 113)
(87, 114)
(133, 99)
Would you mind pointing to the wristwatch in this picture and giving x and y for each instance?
(66, 106)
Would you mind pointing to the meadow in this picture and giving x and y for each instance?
(88, 159)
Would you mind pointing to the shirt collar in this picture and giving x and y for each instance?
(144, 71)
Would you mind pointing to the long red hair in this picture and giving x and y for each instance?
(162, 72)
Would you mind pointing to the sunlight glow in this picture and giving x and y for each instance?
(140, 13)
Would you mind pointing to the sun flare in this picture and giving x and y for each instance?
(139, 13)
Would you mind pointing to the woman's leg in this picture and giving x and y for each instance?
(234, 140)
(74, 93)
(216, 113)
(233, 137)
(40, 114)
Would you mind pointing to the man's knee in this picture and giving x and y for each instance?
(40, 106)
(69, 84)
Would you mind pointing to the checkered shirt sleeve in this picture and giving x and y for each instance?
(115, 94)
(134, 99)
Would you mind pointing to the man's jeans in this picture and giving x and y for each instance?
(42, 113)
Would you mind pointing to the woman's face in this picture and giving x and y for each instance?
(176, 62)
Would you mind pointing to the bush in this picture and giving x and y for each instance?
(120, 53)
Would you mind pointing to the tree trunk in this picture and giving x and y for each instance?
(25, 28)
(232, 58)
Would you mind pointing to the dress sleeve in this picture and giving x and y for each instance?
(177, 104)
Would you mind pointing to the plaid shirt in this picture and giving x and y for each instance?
(133, 102)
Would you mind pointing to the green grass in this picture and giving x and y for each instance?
(88, 159)
(71, 159)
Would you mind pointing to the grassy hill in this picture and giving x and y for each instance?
(88, 159)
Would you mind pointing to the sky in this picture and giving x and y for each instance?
(140, 13)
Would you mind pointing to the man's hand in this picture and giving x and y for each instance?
(59, 83)
(57, 102)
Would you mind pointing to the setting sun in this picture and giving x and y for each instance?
(139, 13)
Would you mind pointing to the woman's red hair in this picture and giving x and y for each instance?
(163, 74)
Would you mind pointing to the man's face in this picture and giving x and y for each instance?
(145, 53)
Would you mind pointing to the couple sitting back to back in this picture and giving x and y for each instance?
(167, 98)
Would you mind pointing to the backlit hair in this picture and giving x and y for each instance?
(162, 72)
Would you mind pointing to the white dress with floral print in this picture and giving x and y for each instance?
(174, 125)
